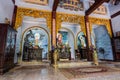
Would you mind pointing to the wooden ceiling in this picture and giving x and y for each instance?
(95, 6)
(87, 12)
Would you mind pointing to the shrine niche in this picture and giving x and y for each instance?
(81, 45)
(81, 40)
(71, 19)
(64, 45)
(35, 44)
(66, 37)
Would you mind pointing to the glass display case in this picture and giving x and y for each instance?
(7, 47)
(117, 47)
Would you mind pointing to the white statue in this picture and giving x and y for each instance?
(82, 40)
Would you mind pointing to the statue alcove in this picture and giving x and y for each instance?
(35, 45)
(69, 32)
(81, 44)
(63, 45)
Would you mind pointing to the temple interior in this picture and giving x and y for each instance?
(59, 40)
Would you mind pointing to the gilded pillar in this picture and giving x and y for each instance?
(89, 54)
(88, 33)
(54, 28)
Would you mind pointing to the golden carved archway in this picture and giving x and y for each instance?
(71, 18)
(21, 12)
(100, 21)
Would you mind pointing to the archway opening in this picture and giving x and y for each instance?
(65, 40)
(35, 44)
(81, 44)
(69, 33)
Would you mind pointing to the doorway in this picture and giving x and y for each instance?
(103, 42)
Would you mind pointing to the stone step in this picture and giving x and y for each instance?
(68, 64)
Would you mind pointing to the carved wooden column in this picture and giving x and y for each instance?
(53, 32)
(87, 25)
(55, 4)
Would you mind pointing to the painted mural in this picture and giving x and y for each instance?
(103, 43)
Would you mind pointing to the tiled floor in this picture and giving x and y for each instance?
(46, 72)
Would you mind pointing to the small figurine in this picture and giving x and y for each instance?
(7, 21)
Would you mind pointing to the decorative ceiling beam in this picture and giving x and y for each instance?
(55, 4)
(95, 6)
(117, 2)
(53, 36)
(13, 1)
(116, 14)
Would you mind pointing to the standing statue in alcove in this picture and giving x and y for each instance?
(81, 45)
(81, 39)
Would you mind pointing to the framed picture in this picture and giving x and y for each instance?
(40, 2)
(81, 6)
(75, 5)
(100, 10)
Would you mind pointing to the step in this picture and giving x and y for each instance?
(68, 64)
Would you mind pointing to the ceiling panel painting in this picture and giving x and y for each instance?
(75, 5)
(39, 2)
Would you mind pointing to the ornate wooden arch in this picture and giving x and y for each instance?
(71, 18)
